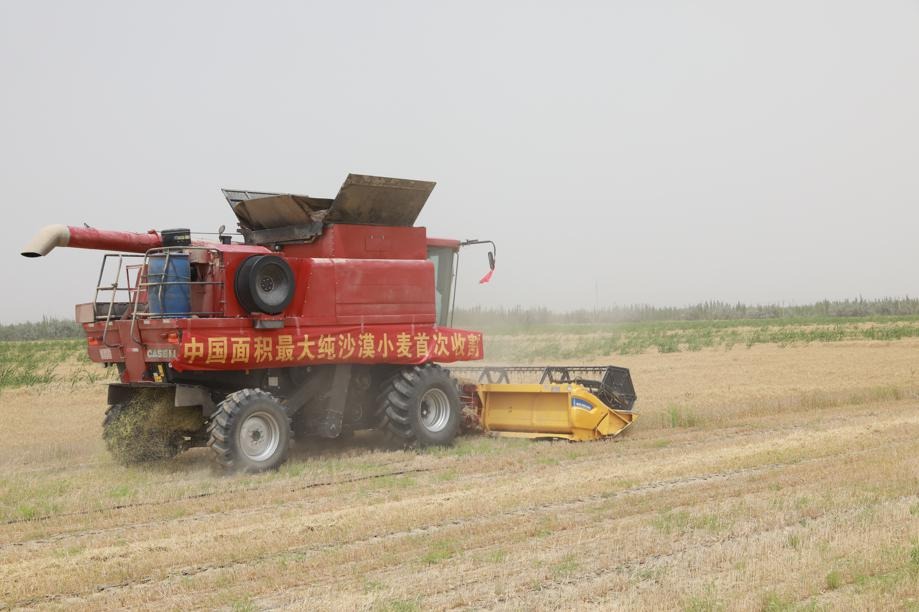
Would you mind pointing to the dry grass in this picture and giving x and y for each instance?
(763, 478)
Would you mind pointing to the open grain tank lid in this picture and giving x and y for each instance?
(366, 200)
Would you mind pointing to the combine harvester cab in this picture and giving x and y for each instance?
(331, 316)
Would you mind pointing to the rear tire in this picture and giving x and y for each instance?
(251, 432)
(420, 405)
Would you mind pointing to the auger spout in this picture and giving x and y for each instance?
(52, 236)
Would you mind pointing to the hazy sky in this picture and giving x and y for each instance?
(653, 152)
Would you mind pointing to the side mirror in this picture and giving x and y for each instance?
(491, 257)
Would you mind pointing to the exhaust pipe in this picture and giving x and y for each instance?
(52, 236)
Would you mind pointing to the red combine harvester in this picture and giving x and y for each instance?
(330, 317)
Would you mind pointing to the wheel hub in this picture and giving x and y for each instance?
(435, 410)
(259, 436)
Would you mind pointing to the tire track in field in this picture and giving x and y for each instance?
(631, 566)
(572, 462)
(255, 510)
(628, 566)
(129, 527)
(267, 488)
(639, 563)
(569, 463)
(657, 486)
(650, 487)
(302, 487)
(658, 558)
(194, 570)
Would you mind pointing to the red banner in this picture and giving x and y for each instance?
(222, 349)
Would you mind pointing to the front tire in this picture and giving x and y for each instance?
(420, 405)
(251, 432)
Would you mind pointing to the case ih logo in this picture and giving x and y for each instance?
(162, 353)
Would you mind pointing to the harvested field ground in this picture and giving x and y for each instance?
(766, 477)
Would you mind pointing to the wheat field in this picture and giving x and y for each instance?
(760, 478)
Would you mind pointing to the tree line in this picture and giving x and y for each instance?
(703, 311)
(50, 328)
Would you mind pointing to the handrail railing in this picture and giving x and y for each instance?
(113, 289)
(130, 297)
